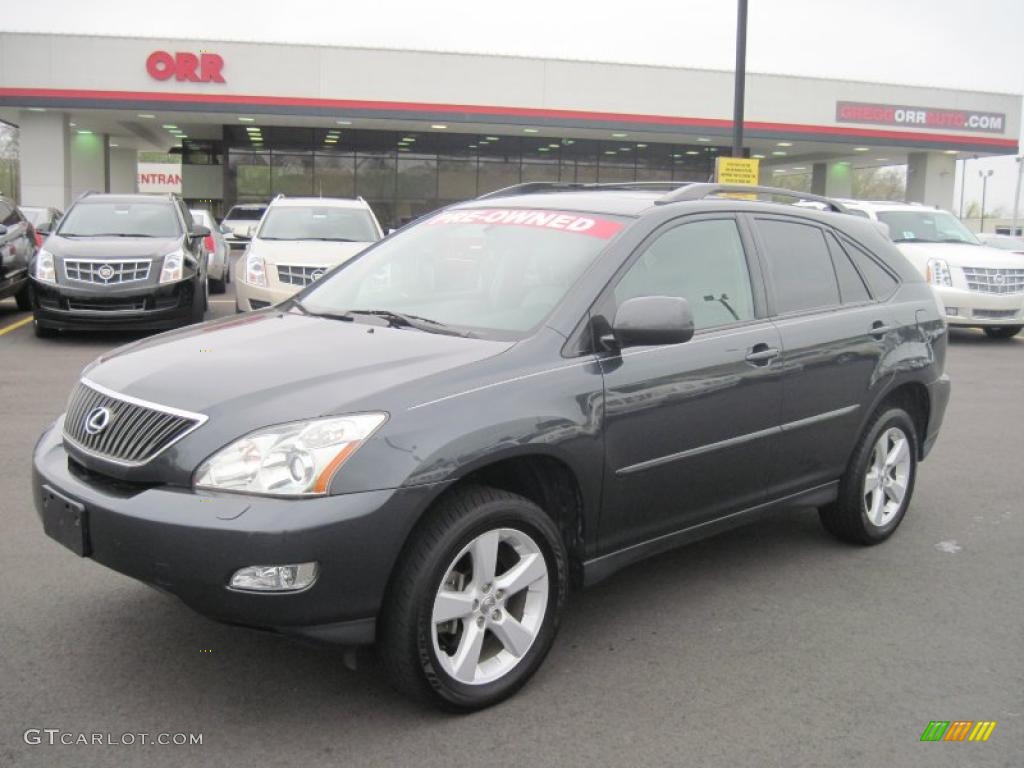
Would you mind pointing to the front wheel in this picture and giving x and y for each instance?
(875, 491)
(475, 602)
(1003, 331)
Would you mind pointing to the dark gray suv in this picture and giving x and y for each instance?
(526, 391)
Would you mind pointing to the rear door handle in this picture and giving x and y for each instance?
(879, 329)
(762, 354)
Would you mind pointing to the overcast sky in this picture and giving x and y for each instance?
(952, 43)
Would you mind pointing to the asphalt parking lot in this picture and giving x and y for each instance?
(769, 645)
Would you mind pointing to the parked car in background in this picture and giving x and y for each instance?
(981, 286)
(121, 262)
(218, 252)
(542, 385)
(1003, 242)
(17, 245)
(43, 220)
(299, 240)
(240, 223)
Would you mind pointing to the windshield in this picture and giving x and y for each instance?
(94, 219)
(245, 214)
(293, 222)
(926, 227)
(490, 271)
(1006, 243)
(35, 216)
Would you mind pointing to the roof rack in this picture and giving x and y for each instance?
(699, 191)
(534, 187)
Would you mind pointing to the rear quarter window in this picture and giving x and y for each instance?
(881, 282)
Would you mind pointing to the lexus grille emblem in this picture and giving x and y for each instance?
(105, 272)
(317, 275)
(96, 420)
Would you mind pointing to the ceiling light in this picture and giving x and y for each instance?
(145, 116)
(567, 142)
(692, 152)
(883, 159)
(555, 146)
(343, 122)
(950, 152)
(113, 145)
(84, 132)
(72, 124)
(247, 119)
(529, 130)
(777, 171)
(758, 157)
(170, 127)
(625, 149)
(641, 146)
(799, 168)
(409, 139)
(609, 151)
(472, 146)
(619, 135)
(861, 149)
(403, 149)
(543, 149)
(784, 144)
(779, 153)
(492, 138)
(676, 155)
(702, 139)
(438, 127)
(36, 109)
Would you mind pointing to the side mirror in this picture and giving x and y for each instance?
(653, 320)
(198, 230)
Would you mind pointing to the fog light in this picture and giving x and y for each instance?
(275, 578)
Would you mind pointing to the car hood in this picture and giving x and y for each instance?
(311, 252)
(961, 255)
(111, 247)
(272, 367)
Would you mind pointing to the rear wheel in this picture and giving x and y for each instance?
(1003, 331)
(23, 298)
(875, 491)
(475, 603)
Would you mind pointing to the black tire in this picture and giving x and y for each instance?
(217, 286)
(406, 645)
(23, 298)
(199, 301)
(1003, 331)
(42, 332)
(847, 517)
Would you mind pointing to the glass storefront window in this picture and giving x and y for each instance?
(335, 174)
(291, 173)
(251, 174)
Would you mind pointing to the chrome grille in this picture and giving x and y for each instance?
(295, 274)
(992, 280)
(113, 272)
(135, 432)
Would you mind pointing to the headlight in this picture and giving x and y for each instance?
(939, 274)
(174, 267)
(255, 270)
(44, 269)
(297, 459)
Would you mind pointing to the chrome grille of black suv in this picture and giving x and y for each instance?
(111, 272)
(134, 431)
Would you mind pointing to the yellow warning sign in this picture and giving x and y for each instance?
(736, 170)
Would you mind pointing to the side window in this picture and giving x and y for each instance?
(8, 215)
(881, 283)
(852, 288)
(799, 265)
(702, 262)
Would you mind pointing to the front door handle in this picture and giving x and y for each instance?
(762, 354)
(879, 329)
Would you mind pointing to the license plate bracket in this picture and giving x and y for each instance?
(65, 520)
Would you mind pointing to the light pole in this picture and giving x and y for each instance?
(739, 78)
(985, 176)
(1016, 196)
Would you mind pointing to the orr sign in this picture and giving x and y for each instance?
(205, 67)
(920, 117)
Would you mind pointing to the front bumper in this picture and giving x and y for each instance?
(976, 309)
(189, 544)
(146, 307)
(251, 297)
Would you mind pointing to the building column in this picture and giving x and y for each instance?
(89, 163)
(123, 170)
(930, 177)
(45, 158)
(832, 179)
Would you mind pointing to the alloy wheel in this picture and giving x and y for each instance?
(888, 477)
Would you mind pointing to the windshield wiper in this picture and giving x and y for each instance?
(109, 234)
(956, 240)
(403, 320)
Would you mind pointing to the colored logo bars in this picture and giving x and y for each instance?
(958, 730)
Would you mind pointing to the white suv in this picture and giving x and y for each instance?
(300, 239)
(981, 286)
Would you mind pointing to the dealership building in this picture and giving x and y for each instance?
(410, 131)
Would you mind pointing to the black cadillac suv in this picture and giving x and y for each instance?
(134, 262)
(535, 388)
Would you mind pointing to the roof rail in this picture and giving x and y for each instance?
(534, 187)
(699, 191)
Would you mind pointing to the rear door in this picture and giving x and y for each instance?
(16, 246)
(835, 336)
(688, 427)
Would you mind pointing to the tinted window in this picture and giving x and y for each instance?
(121, 219)
(799, 265)
(318, 222)
(245, 214)
(702, 262)
(851, 286)
(881, 283)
